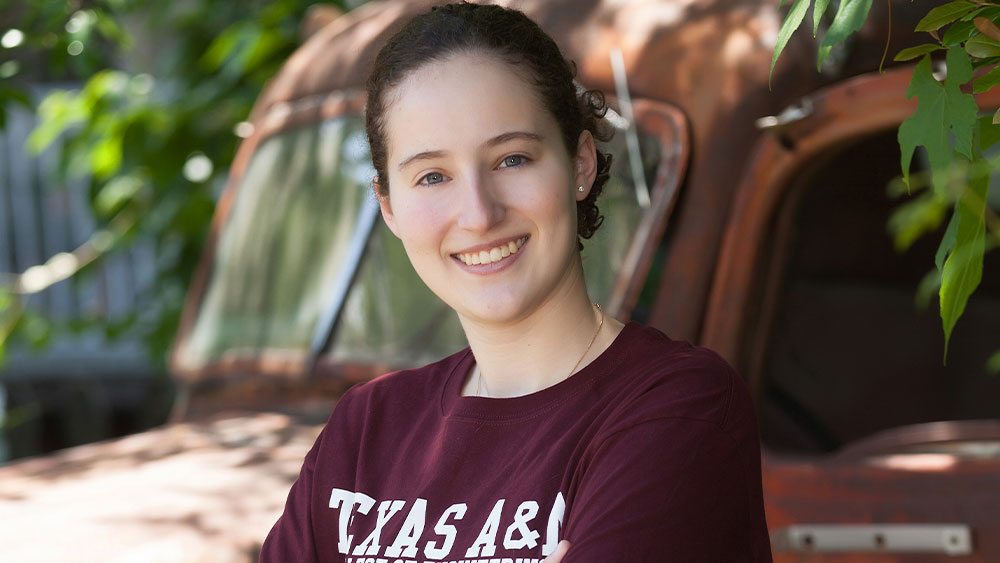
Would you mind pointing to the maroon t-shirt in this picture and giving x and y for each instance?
(649, 453)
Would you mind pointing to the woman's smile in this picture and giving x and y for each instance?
(498, 254)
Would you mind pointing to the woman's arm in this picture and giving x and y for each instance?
(291, 537)
(670, 489)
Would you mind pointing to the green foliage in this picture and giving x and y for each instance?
(963, 269)
(993, 364)
(943, 113)
(982, 47)
(918, 51)
(163, 82)
(947, 242)
(819, 8)
(944, 15)
(9, 97)
(850, 16)
(953, 135)
(986, 81)
(915, 218)
(791, 23)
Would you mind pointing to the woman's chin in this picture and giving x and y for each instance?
(499, 312)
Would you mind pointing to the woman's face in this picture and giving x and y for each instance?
(482, 191)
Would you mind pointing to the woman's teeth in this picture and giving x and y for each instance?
(493, 254)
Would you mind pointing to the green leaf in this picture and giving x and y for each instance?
(993, 364)
(947, 242)
(943, 15)
(989, 134)
(819, 8)
(919, 215)
(223, 46)
(996, 117)
(928, 287)
(982, 46)
(963, 270)
(792, 22)
(941, 109)
(973, 13)
(986, 81)
(266, 45)
(116, 193)
(59, 111)
(113, 30)
(991, 13)
(851, 15)
(981, 63)
(914, 52)
(106, 156)
(958, 33)
(15, 95)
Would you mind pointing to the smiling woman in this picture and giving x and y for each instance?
(501, 176)
(560, 432)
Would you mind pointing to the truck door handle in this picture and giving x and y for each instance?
(950, 539)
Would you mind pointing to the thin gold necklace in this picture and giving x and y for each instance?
(480, 386)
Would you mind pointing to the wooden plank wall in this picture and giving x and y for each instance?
(83, 386)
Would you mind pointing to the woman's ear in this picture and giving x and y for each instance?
(383, 204)
(585, 163)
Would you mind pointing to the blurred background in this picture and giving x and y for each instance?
(118, 122)
(192, 267)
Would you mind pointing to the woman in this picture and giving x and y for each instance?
(558, 427)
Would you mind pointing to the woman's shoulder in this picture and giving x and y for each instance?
(665, 378)
(410, 386)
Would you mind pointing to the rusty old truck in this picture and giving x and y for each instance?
(746, 218)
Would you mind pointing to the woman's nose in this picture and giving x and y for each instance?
(480, 208)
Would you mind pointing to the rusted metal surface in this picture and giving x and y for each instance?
(723, 132)
(840, 114)
(667, 123)
(979, 438)
(899, 488)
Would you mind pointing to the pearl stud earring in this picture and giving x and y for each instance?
(580, 189)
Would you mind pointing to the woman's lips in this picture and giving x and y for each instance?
(490, 255)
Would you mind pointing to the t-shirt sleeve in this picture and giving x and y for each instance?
(669, 489)
(291, 537)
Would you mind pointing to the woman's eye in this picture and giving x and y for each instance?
(432, 178)
(512, 160)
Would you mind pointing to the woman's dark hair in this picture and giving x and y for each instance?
(471, 28)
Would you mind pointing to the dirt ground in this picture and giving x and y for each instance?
(191, 492)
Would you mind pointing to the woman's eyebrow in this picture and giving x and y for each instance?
(426, 155)
(511, 136)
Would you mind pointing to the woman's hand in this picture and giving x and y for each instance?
(557, 555)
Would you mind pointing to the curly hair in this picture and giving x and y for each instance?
(509, 34)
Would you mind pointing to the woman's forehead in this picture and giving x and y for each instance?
(460, 100)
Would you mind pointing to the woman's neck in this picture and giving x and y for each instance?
(558, 338)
